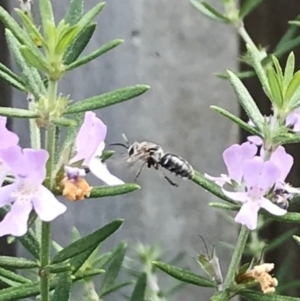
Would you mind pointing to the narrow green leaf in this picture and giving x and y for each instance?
(62, 290)
(292, 87)
(78, 45)
(20, 292)
(31, 76)
(209, 11)
(139, 291)
(247, 7)
(289, 139)
(288, 46)
(256, 63)
(278, 70)
(106, 155)
(209, 185)
(66, 40)
(13, 276)
(289, 35)
(11, 74)
(75, 12)
(113, 269)
(289, 70)
(105, 191)
(107, 99)
(246, 100)
(17, 262)
(31, 244)
(64, 122)
(184, 275)
(30, 26)
(46, 12)
(90, 16)
(88, 58)
(297, 239)
(10, 80)
(116, 287)
(14, 112)
(237, 120)
(58, 268)
(225, 206)
(276, 90)
(87, 274)
(36, 62)
(103, 260)
(256, 296)
(87, 242)
(240, 75)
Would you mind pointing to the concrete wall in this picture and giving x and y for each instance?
(171, 47)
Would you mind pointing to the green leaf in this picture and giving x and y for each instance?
(116, 287)
(20, 292)
(46, 12)
(275, 88)
(292, 93)
(209, 11)
(87, 274)
(290, 138)
(259, 69)
(106, 155)
(62, 290)
(90, 16)
(58, 268)
(246, 101)
(17, 262)
(33, 60)
(288, 46)
(87, 242)
(10, 80)
(88, 58)
(66, 39)
(289, 35)
(184, 275)
(11, 74)
(240, 75)
(209, 185)
(14, 112)
(31, 76)
(103, 260)
(297, 239)
(289, 70)
(105, 191)
(78, 45)
(75, 12)
(64, 122)
(113, 269)
(237, 120)
(139, 291)
(31, 244)
(30, 26)
(256, 296)
(13, 276)
(107, 99)
(247, 7)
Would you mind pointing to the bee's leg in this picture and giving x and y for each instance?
(167, 178)
(140, 170)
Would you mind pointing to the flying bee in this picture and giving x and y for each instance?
(152, 155)
(282, 198)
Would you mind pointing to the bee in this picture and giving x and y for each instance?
(152, 155)
(282, 198)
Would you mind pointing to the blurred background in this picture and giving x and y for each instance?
(170, 46)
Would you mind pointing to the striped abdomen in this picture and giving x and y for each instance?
(177, 165)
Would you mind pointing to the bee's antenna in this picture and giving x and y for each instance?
(122, 144)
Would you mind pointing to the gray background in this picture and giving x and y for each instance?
(171, 47)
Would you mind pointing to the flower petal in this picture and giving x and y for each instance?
(271, 207)
(255, 140)
(252, 170)
(283, 160)
(15, 221)
(6, 194)
(236, 196)
(91, 134)
(100, 171)
(4, 170)
(248, 215)
(234, 158)
(46, 205)
(269, 175)
(8, 138)
(220, 181)
(14, 159)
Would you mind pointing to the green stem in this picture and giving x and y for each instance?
(245, 36)
(237, 255)
(44, 259)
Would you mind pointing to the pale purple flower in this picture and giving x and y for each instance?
(293, 120)
(235, 157)
(7, 139)
(27, 192)
(259, 177)
(89, 147)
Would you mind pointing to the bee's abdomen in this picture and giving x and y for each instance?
(177, 165)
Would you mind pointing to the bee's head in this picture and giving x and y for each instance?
(132, 149)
